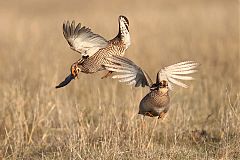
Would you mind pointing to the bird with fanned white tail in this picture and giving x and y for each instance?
(156, 102)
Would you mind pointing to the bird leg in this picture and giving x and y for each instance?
(107, 75)
(148, 114)
(162, 115)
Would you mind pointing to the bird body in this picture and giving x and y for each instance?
(95, 62)
(94, 49)
(156, 102)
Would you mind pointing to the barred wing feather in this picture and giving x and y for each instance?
(82, 39)
(176, 72)
(128, 72)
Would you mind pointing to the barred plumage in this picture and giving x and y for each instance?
(94, 48)
(95, 63)
(156, 102)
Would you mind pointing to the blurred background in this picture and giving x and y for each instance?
(93, 118)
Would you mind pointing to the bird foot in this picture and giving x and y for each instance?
(162, 115)
(148, 114)
(107, 75)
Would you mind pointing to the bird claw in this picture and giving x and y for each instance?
(148, 114)
(161, 115)
(107, 74)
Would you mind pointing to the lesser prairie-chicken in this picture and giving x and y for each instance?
(156, 102)
(94, 48)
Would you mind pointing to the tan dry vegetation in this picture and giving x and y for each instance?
(97, 119)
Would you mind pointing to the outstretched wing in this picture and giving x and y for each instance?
(128, 72)
(176, 72)
(82, 39)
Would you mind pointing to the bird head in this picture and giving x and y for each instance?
(75, 70)
(162, 85)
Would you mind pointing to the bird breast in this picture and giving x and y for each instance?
(95, 62)
(156, 101)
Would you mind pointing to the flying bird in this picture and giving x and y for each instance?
(93, 48)
(156, 102)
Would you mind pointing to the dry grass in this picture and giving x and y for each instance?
(97, 119)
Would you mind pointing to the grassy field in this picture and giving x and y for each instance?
(97, 119)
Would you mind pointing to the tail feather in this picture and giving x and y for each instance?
(67, 80)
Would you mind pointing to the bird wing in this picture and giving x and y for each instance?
(176, 72)
(127, 71)
(82, 39)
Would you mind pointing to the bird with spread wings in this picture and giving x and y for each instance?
(156, 102)
(94, 49)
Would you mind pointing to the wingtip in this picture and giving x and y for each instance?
(196, 64)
